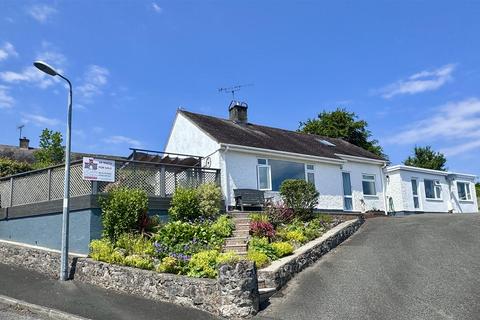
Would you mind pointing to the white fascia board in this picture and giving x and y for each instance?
(430, 171)
(283, 154)
(360, 159)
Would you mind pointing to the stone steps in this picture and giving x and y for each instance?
(239, 241)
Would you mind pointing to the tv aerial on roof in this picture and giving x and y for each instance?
(234, 89)
(20, 128)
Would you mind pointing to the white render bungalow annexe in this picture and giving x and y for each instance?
(414, 190)
(250, 156)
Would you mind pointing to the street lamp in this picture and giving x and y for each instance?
(42, 66)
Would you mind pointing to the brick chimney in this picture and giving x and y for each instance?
(24, 143)
(238, 112)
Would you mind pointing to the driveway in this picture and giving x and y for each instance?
(414, 267)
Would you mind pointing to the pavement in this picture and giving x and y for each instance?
(84, 300)
(8, 312)
(407, 268)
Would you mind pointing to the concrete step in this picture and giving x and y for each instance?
(241, 233)
(239, 214)
(242, 226)
(266, 293)
(236, 241)
(236, 248)
(241, 221)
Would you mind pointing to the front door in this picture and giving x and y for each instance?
(347, 192)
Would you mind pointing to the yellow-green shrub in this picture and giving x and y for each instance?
(260, 258)
(138, 261)
(136, 244)
(228, 257)
(296, 235)
(169, 265)
(203, 264)
(210, 198)
(103, 250)
(282, 248)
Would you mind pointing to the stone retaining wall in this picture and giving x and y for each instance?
(281, 271)
(234, 294)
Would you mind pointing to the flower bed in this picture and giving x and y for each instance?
(189, 244)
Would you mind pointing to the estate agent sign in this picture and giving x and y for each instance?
(98, 169)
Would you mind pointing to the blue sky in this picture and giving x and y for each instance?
(410, 68)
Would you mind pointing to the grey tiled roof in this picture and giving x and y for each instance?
(252, 135)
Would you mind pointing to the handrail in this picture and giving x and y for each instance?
(155, 164)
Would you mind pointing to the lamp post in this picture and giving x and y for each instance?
(42, 66)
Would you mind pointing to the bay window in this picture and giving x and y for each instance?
(271, 173)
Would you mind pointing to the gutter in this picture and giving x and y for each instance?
(285, 154)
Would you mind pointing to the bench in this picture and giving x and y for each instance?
(251, 197)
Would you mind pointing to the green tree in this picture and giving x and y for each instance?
(345, 125)
(425, 157)
(9, 167)
(51, 151)
(477, 187)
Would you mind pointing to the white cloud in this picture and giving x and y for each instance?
(41, 12)
(95, 78)
(123, 140)
(419, 82)
(456, 124)
(7, 50)
(6, 101)
(51, 55)
(156, 8)
(29, 75)
(39, 120)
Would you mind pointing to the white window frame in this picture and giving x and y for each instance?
(413, 193)
(269, 175)
(311, 171)
(369, 180)
(436, 186)
(350, 196)
(468, 194)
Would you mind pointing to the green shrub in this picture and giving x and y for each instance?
(210, 199)
(203, 264)
(138, 261)
(103, 250)
(9, 167)
(135, 244)
(299, 195)
(258, 217)
(260, 258)
(325, 218)
(260, 244)
(296, 236)
(169, 265)
(282, 248)
(223, 226)
(122, 209)
(185, 205)
(228, 257)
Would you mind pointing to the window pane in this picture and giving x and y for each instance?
(429, 193)
(438, 192)
(262, 161)
(347, 186)
(414, 187)
(467, 188)
(369, 188)
(347, 202)
(368, 177)
(310, 167)
(283, 170)
(263, 179)
(311, 177)
(415, 203)
(462, 192)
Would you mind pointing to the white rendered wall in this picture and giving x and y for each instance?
(396, 191)
(464, 206)
(356, 170)
(187, 138)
